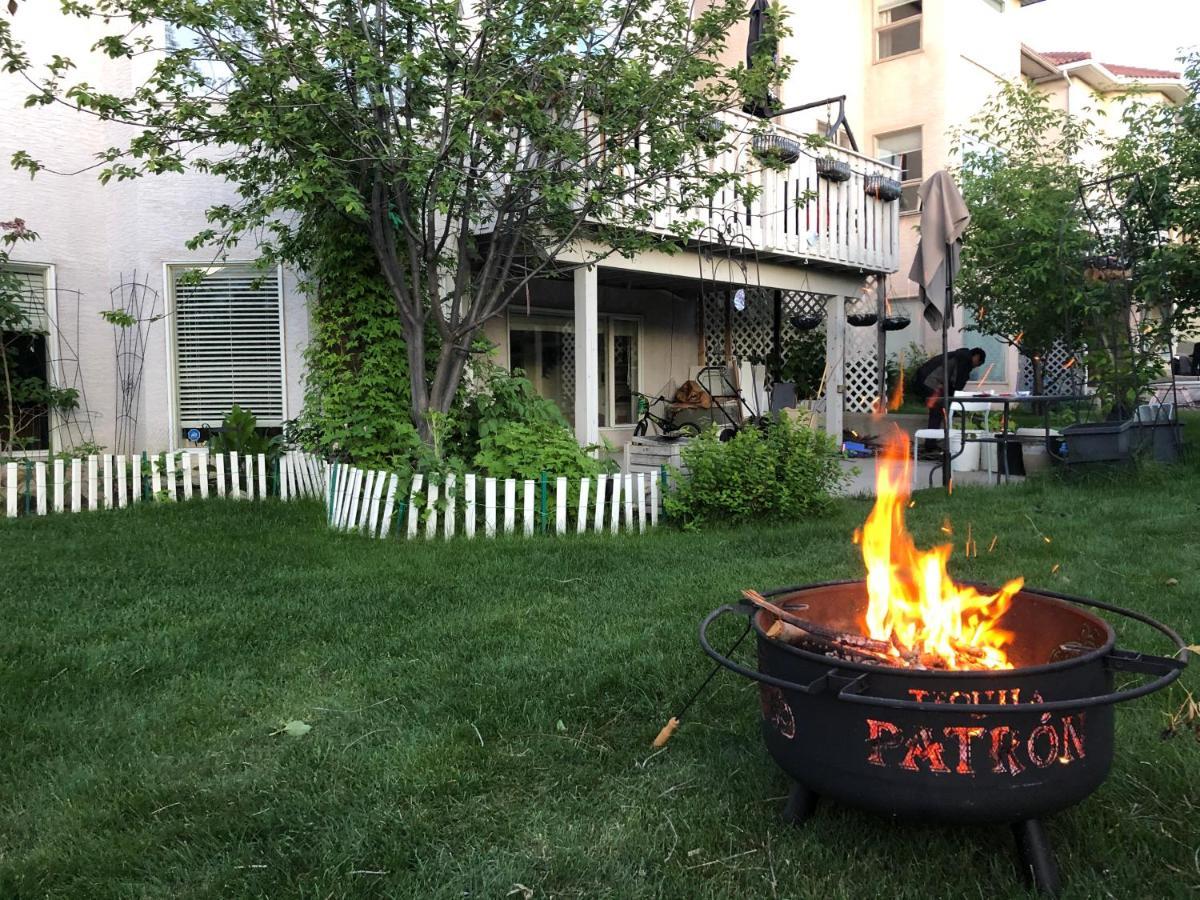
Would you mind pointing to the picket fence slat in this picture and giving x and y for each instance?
(527, 496)
(560, 506)
(92, 499)
(10, 481)
(39, 477)
(614, 522)
(122, 497)
(202, 461)
(654, 501)
(489, 507)
(76, 485)
(641, 500)
(469, 506)
(262, 476)
(249, 462)
(185, 473)
(388, 505)
(431, 510)
(413, 491)
(451, 506)
(220, 461)
(373, 527)
(106, 502)
(364, 518)
(601, 489)
(59, 486)
(510, 505)
(629, 501)
(581, 519)
(171, 480)
(235, 476)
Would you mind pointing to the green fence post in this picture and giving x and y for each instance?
(543, 500)
(332, 493)
(274, 478)
(142, 487)
(663, 477)
(28, 489)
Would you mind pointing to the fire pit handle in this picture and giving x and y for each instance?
(1167, 668)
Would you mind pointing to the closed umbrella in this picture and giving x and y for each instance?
(760, 37)
(944, 218)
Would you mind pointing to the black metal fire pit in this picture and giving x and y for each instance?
(1008, 746)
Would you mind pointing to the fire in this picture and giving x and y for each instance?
(914, 604)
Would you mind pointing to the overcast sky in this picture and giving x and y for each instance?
(1130, 32)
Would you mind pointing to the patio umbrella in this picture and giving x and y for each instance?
(759, 38)
(944, 218)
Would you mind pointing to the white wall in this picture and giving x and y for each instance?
(95, 236)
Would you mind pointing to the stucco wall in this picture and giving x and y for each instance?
(97, 236)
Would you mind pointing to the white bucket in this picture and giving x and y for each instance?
(968, 460)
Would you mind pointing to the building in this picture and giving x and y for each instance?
(591, 338)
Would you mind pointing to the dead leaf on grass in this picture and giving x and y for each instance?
(294, 728)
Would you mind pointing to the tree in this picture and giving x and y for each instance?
(1023, 256)
(474, 143)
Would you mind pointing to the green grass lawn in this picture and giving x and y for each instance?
(482, 712)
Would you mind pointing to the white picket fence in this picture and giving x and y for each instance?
(378, 503)
(108, 481)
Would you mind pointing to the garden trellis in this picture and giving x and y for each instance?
(115, 481)
(377, 504)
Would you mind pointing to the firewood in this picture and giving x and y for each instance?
(812, 628)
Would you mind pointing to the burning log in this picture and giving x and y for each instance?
(791, 629)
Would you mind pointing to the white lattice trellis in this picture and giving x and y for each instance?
(1060, 375)
(861, 370)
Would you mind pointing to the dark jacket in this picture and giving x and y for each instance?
(930, 377)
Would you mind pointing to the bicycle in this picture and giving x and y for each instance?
(666, 424)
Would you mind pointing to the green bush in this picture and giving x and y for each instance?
(527, 449)
(783, 473)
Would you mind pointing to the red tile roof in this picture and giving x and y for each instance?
(1139, 72)
(1063, 57)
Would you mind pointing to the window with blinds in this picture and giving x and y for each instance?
(228, 345)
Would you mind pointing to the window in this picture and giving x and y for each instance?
(543, 347)
(228, 344)
(899, 28)
(996, 350)
(903, 149)
(28, 354)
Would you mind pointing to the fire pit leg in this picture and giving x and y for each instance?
(801, 804)
(1037, 857)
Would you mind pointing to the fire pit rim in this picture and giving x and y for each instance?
(947, 674)
(852, 688)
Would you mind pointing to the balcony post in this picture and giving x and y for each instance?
(835, 352)
(587, 356)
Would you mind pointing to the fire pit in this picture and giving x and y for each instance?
(998, 708)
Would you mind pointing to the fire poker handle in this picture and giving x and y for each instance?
(665, 734)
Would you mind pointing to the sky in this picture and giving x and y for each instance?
(1130, 32)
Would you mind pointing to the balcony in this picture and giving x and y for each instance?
(798, 216)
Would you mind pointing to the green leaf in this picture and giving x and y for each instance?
(296, 728)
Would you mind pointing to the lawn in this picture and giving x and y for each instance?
(481, 712)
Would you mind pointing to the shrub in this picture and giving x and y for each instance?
(783, 473)
(527, 449)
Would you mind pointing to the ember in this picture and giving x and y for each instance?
(914, 606)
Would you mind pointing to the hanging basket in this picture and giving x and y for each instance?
(883, 188)
(709, 131)
(833, 169)
(806, 322)
(775, 148)
(896, 323)
(862, 320)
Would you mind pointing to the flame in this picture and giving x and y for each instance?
(913, 604)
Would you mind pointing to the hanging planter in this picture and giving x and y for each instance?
(775, 148)
(805, 322)
(710, 130)
(896, 323)
(862, 320)
(883, 188)
(833, 169)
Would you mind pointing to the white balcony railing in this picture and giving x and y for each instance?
(797, 214)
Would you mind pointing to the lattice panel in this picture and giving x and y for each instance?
(1060, 379)
(750, 330)
(799, 303)
(861, 370)
(568, 374)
